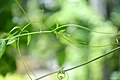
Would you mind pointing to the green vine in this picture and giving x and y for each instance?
(14, 36)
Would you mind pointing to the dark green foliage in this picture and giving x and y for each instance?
(6, 15)
(61, 56)
(2, 47)
(7, 63)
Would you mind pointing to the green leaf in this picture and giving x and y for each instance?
(15, 28)
(2, 47)
(10, 41)
(61, 56)
(28, 39)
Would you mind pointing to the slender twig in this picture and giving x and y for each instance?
(25, 27)
(46, 75)
(22, 59)
(94, 59)
(31, 33)
(85, 28)
(83, 64)
(22, 10)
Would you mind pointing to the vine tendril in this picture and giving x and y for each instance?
(61, 74)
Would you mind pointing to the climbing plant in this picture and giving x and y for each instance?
(60, 32)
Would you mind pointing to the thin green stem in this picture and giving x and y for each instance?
(77, 44)
(119, 67)
(22, 58)
(23, 10)
(47, 75)
(109, 52)
(32, 33)
(25, 27)
(88, 29)
(83, 64)
(41, 32)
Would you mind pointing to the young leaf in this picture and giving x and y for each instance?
(16, 27)
(28, 39)
(2, 47)
(10, 41)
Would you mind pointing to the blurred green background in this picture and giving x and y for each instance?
(46, 53)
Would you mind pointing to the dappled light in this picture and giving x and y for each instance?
(59, 40)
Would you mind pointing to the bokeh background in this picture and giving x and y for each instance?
(46, 53)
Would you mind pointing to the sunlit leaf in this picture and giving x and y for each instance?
(3, 35)
(15, 28)
(2, 47)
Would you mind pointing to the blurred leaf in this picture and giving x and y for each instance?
(13, 77)
(115, 76)
(10, 41)
(61, 57)
(8, 62)
(2, 47)
(3, 35)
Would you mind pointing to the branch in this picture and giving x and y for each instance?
(83, 64)
(31, 33)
